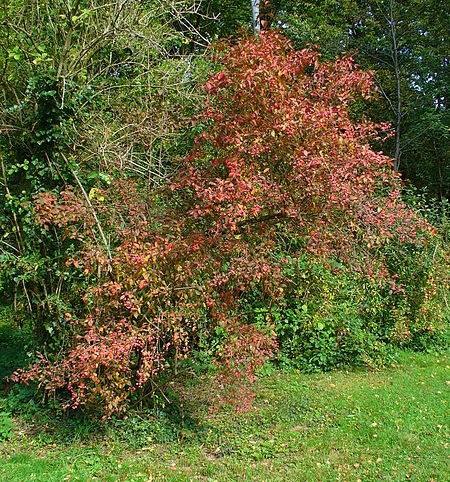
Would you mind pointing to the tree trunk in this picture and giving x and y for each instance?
(256, 16)
(396, 65)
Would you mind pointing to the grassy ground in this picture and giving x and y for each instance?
(389, 425)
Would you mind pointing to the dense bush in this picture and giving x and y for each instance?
(282, 228)
(338, 315)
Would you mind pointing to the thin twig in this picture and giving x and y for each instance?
(94, 213)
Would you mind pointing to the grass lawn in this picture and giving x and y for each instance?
(390, 425)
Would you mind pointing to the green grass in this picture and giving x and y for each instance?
(344, 426)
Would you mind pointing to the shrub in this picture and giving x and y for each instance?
(338, 316)
(281, 223)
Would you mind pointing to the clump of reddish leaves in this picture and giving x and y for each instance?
(279, 146)
(279, 159)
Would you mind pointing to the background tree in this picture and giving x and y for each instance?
(218, 19)
(405, 44)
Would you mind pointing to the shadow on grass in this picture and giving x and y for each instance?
(13, 348)
(51, 425)
(157, 423)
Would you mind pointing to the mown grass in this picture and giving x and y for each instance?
(391, 424)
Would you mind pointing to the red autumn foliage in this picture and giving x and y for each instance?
(280, 159)
(280, 146)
